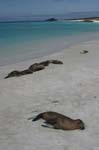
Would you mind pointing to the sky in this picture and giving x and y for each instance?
(42, 7)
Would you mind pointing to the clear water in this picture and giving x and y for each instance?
(24, 40)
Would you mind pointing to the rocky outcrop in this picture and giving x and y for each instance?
(87, 20)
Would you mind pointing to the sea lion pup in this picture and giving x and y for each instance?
(17, 73)
(59, 121)
(83, 52)
(36, 67)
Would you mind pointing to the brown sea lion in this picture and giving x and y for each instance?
(36, 67)
(59, 121)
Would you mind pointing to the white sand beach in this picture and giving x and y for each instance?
(71, 89)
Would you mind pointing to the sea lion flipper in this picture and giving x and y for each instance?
(56, 126)
(47, 125)
(52, 123)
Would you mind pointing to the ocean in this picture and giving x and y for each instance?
(27, 40)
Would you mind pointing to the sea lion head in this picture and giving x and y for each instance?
(80, 124)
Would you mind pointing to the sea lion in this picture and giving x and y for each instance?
(33, 68)
(17, 73)
(36, 67)
(25, 72)
(59, 121)
(45, 63)
(13, 74)
(83, 52)
(30, 70)
(55, 62)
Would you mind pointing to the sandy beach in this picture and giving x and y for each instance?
(71, 89)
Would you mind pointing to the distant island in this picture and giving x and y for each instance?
(51, 19)
(91, 19)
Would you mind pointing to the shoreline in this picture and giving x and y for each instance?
(49, 49)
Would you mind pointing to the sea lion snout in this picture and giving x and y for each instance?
(80, 124)
(82, 128)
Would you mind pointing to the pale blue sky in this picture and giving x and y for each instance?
(40, 7)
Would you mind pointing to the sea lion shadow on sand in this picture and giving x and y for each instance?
(59, 121)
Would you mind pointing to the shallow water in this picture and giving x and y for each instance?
(25, 40)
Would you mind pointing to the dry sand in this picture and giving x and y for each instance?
(71, 89)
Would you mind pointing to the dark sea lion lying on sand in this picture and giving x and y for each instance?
(25, 72)
(83, 52)
(17, 73)
(36, 67)
(12, 74)
(59, 121)
(30, 70)
(55, 62)
(33, 68)
(47, 62)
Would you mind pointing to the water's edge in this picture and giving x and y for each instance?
(37, 40)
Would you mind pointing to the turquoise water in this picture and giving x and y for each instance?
(24, 40)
